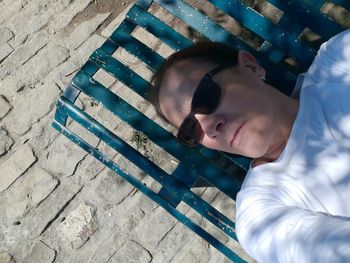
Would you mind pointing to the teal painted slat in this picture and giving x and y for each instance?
(201, 23)
(158, 28)
(300, 14)
(319, 3)
(121, 72)
(263, 27)
(145, 4)
(278, 76)
(136, 48)
(315, 3)
(161, 30)
(223, 181)
(179, 172)
(252, 19)
(268, 50)
(343, 3)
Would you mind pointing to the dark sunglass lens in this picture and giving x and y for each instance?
(190, 132)
(207, 96)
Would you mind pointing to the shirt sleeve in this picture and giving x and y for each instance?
(332, 62)
(272, 232)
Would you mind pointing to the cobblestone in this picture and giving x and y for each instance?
(153, 228)
(5, 107)
(64, 156)
(42, 134)
(5, 35)
(28, 192)
(5, 50)
(38, 14)
(38, 220)
(63, 74)
(5, 142)
(84, 30)
(23, 54)
(8, 8)
(15, 166)
(23, 115)
(6, 258)
(41, 253)
(36, 69)
(66, 17)
(79, 226)
(131, 251)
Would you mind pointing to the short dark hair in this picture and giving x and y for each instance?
(209, 52)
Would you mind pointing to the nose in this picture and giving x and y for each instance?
(212, 125)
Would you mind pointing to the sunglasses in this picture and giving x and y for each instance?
(205, 100)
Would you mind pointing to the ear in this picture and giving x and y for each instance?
(245, 59)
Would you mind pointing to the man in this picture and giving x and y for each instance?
(294, 203)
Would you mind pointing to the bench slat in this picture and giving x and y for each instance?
(300, 14)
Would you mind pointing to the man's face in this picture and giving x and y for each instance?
(243, 123)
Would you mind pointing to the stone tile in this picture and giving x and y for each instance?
(84, 30)
(131, 251)
(28, 192)
(63, 157)
(195, 251)
(81, 55)
(41, 253)
(36, 69)
(8, 8)
(16, 237)
(79, 225)
(5, 51)
(152, 229)
(38, 14)
(89, 168)
(65, 17)
(15, 166)
(5, 107)
(42, 134)
(178, 237)
(5, 35)
(116, 232)
(24, 115)
(5, 257)
(23, 54)
(63, 74)
(5, 141)
(111, 188)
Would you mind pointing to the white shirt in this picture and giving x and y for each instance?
(297, 208)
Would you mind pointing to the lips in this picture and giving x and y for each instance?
(235, 135)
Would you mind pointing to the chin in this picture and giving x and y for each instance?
(256, 151)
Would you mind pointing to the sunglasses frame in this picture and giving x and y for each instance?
(183, 135)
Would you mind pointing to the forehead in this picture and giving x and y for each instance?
(177, 88)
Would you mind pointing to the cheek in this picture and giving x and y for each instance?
(256, 142)
(212, 144)
(255, 147)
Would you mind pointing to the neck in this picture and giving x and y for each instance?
(288, 110)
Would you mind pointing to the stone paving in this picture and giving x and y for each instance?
(57, 203)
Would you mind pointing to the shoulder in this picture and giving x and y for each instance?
(332, 62)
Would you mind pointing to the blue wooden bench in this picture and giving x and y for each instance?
(276, 44)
